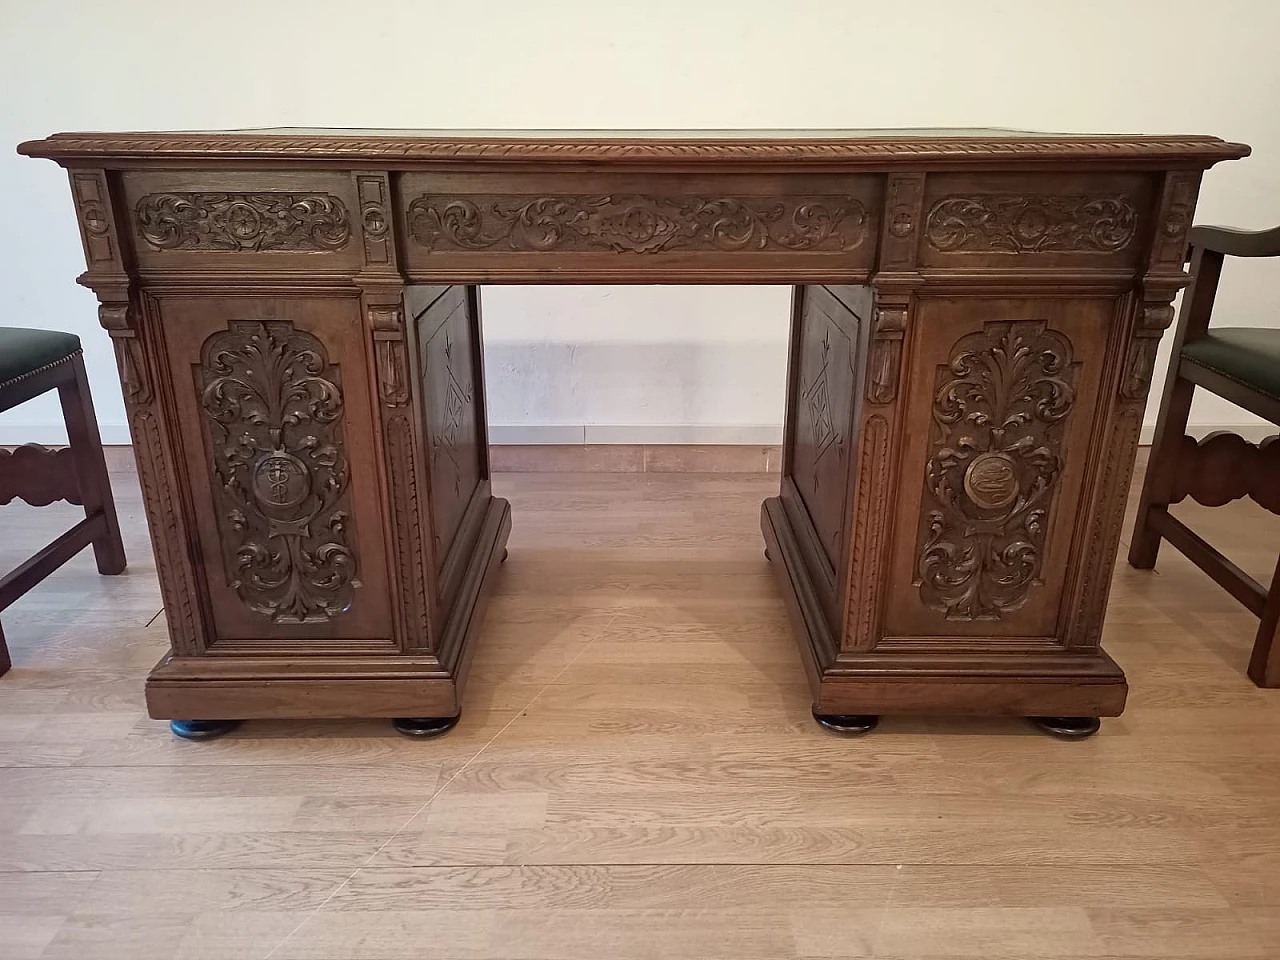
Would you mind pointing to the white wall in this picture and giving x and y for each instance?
(705, 364)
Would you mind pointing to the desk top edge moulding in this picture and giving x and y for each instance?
(946, 146)
(296, 319)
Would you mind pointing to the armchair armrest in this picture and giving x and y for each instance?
(1237, 243)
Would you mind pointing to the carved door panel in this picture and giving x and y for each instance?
(277, 436)
(827, 349)
(1001, 412)
(446, 329)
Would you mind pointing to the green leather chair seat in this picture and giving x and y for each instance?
(23, 350)
(1250, 355)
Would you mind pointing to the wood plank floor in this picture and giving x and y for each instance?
(636, 775)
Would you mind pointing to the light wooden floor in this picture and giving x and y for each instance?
(636, 776)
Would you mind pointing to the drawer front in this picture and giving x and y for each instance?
(1029, 222)
(253, 220)
(596, 225)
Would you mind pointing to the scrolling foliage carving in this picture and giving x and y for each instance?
(637, 224)
(275, 407)
(1011, 223)
(995, 456)
(243, 221)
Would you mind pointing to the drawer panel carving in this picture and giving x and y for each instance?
(1077, 222)
(637, 223)
(275, 222)
(242, 221)
(477, 226)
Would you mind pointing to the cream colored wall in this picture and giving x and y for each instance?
(620, 363)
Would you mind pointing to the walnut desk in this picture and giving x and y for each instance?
(297, 324)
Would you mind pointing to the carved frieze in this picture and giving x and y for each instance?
(243, 221)
(995, 456)
(275, 405)
(1017, 223)
(637, 224)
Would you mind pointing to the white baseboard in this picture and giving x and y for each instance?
(55, 434)
(117, 434)
(747, 434)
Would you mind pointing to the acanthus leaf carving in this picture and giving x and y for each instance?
(393, 371)
(274, 406)
(1140, 360)
(886, 353)
(1017, 223)
(995, 457)
(243, 221)
(118, 318)
(637, 224)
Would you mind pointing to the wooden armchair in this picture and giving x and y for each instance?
(1240, 364)
(32, 362)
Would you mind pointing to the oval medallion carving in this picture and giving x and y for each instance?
(990, 481)
(281, 480)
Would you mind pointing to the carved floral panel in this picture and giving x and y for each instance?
(243, 221)
(274, 406)
(637, 224)
(1014, 223)
(999, 414)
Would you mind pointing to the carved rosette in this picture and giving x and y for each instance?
(274, 406)
(995, 455)
(637, 224)
(1013, 223)
(243, 221)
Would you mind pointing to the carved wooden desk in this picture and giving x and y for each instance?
(297, 327)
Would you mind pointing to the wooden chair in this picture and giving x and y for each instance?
(32, 362)
(1240, 364)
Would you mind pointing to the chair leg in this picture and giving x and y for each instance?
(91, 467)
(1264, 662)
(1157, 485)
(5, 662)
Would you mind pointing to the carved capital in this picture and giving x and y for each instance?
(885, 359)
(1140, 359)
(116, 318)
(119, 319)
(385, 317)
